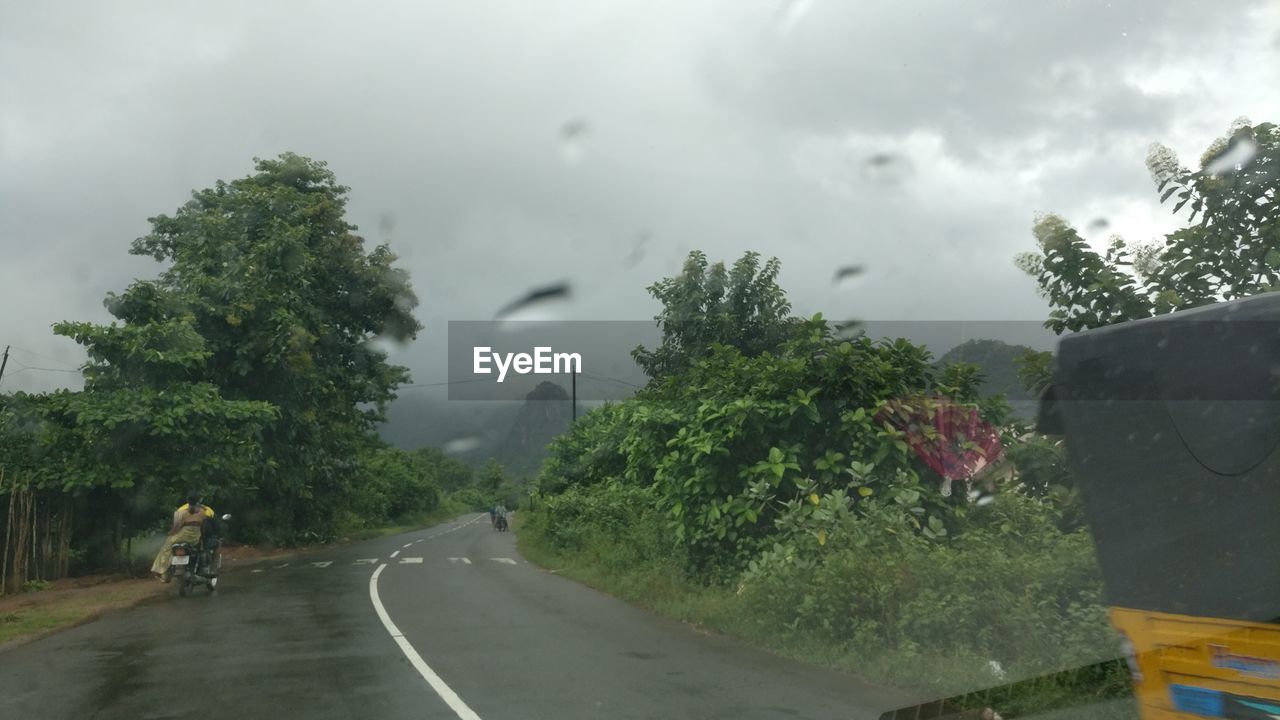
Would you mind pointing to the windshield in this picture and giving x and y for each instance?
(646, 359)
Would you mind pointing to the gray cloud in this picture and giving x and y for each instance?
(723, 126)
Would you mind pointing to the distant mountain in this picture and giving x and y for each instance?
(474, 431)
(546, 414)
(470, 431)
(996, 359)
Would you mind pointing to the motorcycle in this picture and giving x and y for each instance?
(197, 563)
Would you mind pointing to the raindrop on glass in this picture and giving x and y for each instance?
(386, 224)
(848, 330)
(845, 275)
(637, 252)
(539, 304)
(1237, 155)
(461, 445)
(573, 141)
(886, 168)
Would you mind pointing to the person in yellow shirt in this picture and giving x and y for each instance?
(188, 523)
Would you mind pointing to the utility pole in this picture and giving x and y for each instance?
(4, 361)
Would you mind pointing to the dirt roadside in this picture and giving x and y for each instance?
(65, 603)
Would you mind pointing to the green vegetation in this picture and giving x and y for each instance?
(247, 369)
(848, 502)
(791, 497)
(793, 489)
(741, 307)
(1230, 250)
(999, 363)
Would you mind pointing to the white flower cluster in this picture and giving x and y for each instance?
(1162, 162)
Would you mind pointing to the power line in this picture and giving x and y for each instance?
(446, 383)
(442, 384)
(44, 369)
(610, 379)
(42, 357)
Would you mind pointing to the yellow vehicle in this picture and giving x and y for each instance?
(1172, 426)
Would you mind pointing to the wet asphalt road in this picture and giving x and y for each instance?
(505, 639)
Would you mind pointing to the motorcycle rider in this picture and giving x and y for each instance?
(188, 522)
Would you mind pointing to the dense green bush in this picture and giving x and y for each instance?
(618, 525)
(1008, 587)
(729, 443)
(391, 485)
(770, 489)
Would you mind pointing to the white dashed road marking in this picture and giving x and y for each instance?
(464, 561)
(508, 561)
(403, 561)
(446, 693)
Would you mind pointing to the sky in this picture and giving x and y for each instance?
(505, 145)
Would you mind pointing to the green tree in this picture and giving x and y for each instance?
(286, 303)
(492, 477)
(1230, 249)
(395, 486)
(962, 381)
(1035, 370)
(742, 307)
(450, 474)
(144, 431)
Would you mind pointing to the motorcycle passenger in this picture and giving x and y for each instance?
(188, 522)
(500, 515)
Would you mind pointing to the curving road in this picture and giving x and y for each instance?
(447, 623)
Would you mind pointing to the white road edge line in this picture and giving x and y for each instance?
(395, 553)
(446, 693)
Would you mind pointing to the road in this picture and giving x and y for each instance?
(448, 622)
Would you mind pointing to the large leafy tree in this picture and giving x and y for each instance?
(1230, 249)
(278, 302)
(740, 307)
(146, 429)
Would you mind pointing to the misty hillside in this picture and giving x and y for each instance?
(516, 434)
(470, 431)
(546, 413)
(997, 360)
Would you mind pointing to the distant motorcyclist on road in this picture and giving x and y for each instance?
(188, 523)
(493, 514)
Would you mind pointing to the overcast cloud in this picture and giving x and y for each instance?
(504, 145)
